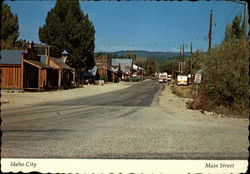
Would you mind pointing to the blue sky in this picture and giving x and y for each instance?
(139, 25)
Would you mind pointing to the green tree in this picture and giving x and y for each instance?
(22, 43)
(10, 27)
(67, 27)
(168, 66)
(226, 73)
(237, 27)
(131, 56)
(151, 66)
(234, 30)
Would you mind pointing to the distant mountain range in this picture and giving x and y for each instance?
(160, 56)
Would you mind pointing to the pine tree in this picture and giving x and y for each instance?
(234, 30)
(10, 27)
(67, 27)
(237, 27)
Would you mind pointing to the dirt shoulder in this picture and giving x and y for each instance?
(17, 99)
(177, 108)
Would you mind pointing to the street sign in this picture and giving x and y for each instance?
(197, 78)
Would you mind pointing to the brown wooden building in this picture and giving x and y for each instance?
(103, 63)
(34, 72)
(125, 67)
(66, 74)
(25, 71)
(11, 76)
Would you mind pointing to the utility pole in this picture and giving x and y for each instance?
(191, 52)
(179, 62)
(210, 31)
(245, 22)
(191, 49)
(180, 51)
(183, 52)
(183, 62)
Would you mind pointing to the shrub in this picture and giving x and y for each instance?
(226, 74)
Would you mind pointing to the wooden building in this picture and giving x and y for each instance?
(11, 76)
(34, 72)
(10, 69)
(125, 65)
(103, 63)
(24, 70)
(90, 76)
(66, 74)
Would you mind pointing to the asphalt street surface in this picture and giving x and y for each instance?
(124, 124)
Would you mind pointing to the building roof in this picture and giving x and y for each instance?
(65, 52)
(36, 63)
(91, 72)
(114, 69)
(60, 63)
(136, 67)
(122, 62)
(125, 64)
(11, 56)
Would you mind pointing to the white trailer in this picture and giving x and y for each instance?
(182, 80)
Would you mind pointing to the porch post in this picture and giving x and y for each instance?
(74, 76)
(45, 77)
(39, 79)
(59, 78)
(22, 73)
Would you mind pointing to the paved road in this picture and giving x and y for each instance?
(123, 124)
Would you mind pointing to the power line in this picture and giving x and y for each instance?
(108, 44)
(223, 24)
(173, 42)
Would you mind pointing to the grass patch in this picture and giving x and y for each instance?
(184, 91)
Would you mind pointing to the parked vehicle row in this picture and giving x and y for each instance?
(166, 78)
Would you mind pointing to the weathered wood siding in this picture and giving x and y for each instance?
(11, 76)
(52, 78)
(103, 63)
(31, 76)
(42, 79)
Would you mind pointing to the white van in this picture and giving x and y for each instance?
(163, 77)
